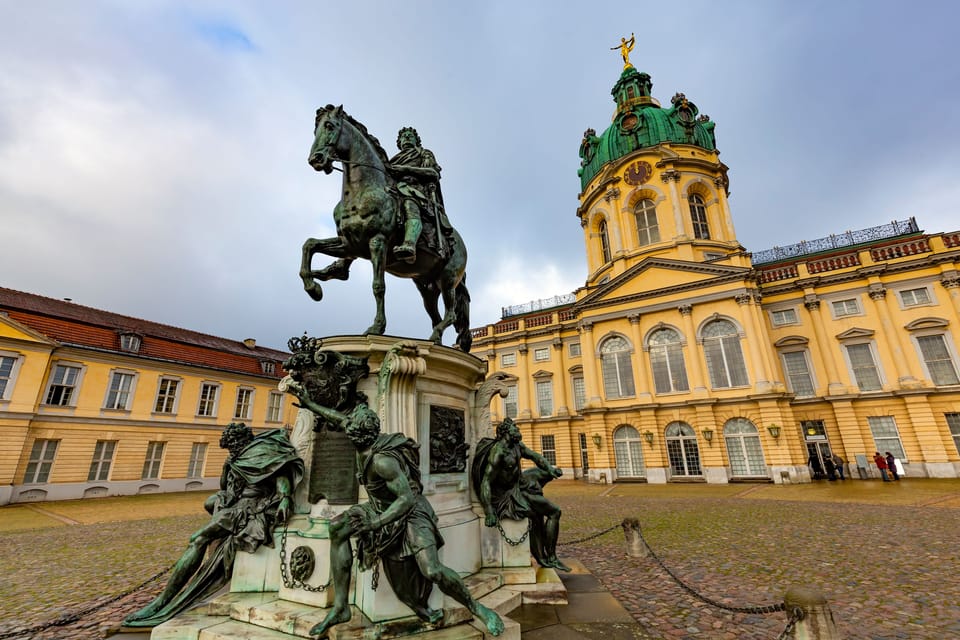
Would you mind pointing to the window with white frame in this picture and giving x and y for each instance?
(510, 402)
(167, 395)
(628, 452)
(508, 359)
(120, 391)
(915, 297)
(604, 241)
(209, 394)
(8, 373)
(268, 367)
(102, 459)
(953, 421)
(648, 231)
(151, 462)
(617, 368)
(698, 216)
(863, 364)
(682, 450)
(130, 342)
(848, 307)
(198, 454)
(886, 437)
(63, 384)
(781, 317)
(797, 369)
(743, 448)
(579, 393)
(242, 409)
(41, 461)
(938, 360)
(274, 406)
(545, 398)
(574, 349)
(666, 360)
(541, 354)
(548, 449)
(721, 346)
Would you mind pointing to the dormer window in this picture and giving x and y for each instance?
(129, 342)
(268, 367)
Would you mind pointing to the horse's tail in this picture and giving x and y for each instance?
(462, 318)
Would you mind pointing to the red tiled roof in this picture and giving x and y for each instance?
(76, 324)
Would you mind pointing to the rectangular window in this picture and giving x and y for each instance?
(574, 349)
(167, 395)
(41, 461)
(244, 403)
(63, 382)
(886, 437)
(102, 459)
(542, 354)
(915, 297)
(508, 359)
(617, 374)
(937, 358)
(798, 373)
(865, 371)
(669, 371)
(548, 449)
(6, 375)
(130, 342)
(579, 393)
(274, 406)
(151, 463)
(783, 316)
(545, 398)
(510, 403)
(208, 400)
(197, 455)
(953, 421)
(118, 397)
(849, 307)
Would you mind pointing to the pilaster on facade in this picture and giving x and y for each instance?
(525, 411)
(640, 367)
(759, 363)
(928, 434)
(891, 336)
(828, 354)
(589, 350)
(697, 380)
(850, 433)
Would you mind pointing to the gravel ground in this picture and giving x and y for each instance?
(885, 557)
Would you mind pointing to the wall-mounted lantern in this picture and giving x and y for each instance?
(648, 436)
(774, 430)
(708, 436)
(597, 439)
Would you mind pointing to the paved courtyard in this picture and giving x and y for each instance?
(885, 555)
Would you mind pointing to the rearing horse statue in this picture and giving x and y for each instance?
(369, 226)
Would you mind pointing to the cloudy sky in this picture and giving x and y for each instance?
(153, 153)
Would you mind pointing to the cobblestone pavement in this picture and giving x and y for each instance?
(886, 557)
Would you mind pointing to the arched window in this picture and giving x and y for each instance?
(721, 346)
(604, 240)
(627, 451)
(698, 215)
(647, 230)
(666, 360)
(743, 448)
(617, 368)
(682, 450)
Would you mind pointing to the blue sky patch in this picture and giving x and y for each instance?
(224, 35)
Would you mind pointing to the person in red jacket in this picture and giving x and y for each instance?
(881, 463)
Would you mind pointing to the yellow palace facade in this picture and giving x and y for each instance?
(685, 358)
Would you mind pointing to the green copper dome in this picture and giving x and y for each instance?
(640, 122)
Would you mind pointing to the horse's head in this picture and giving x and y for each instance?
(326, 138)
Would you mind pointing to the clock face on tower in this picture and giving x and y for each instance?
(638, 173)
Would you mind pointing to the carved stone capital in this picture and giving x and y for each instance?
(743, 298)
(586, 325)
(523, 349)
(670, 174)
(877, 292)
(811, 302)
(685, 309)
(611, 194)
(634, 318)
(951, 281)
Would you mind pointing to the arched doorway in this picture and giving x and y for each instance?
(628, 452)
(682, 450)
(743, 448)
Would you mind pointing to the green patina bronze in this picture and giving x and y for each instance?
(640, 122)
(256, 494)
(505, 492)
(391, 213)
(397, 526)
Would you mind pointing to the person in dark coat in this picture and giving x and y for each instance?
(881, 463)
(892, 465)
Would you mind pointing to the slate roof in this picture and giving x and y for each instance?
(73, 324)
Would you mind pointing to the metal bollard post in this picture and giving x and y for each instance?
(631, 531)
(814, 618)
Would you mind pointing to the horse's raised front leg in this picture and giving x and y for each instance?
(339, 269)
(378, 257)
(449, 313)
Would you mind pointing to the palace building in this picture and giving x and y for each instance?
(93, 403)
(686, 358)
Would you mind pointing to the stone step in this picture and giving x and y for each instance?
(236, 630)
(511, 630)
(548, 589)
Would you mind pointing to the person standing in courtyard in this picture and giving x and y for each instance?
(839, 462)
(881, 463)
(892, 465)
(830, 467)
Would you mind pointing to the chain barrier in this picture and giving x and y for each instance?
(294, 583)
(796, 615)
(519, 541)
(590, 537)
(76, 615)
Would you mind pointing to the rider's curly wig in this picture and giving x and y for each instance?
(413, 131)
(236, 436)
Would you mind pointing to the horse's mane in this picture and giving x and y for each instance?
(363, 129)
